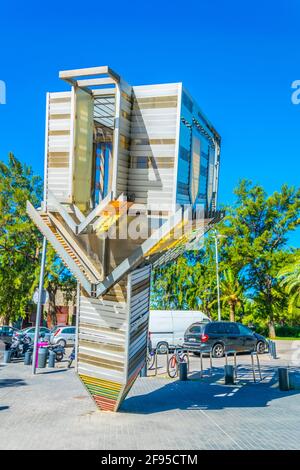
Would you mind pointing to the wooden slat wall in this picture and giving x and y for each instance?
(59, 145)
(102, 339)
(138, 305)
(153, 135)
(112, 339)
(124, 138)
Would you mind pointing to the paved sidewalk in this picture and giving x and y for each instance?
(53, 411)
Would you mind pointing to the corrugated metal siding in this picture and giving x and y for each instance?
(139, 285)
(124, 138)
(59, 145)
(102, 338)
(153, 135)
(112, 340)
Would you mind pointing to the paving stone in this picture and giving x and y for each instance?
(158, 414)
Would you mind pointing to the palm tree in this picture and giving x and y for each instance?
(231, 292)
(290, 280)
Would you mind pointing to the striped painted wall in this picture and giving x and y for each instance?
(123, 164)
(59, 142)
(154, 143)
(138, 307)
(112, 339)
(102, 338)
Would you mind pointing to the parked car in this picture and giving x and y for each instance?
(167, 327)
(63, 335)
(30, 331)
(7, 333)
(223, 336)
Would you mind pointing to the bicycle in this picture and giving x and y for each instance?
(173, 364)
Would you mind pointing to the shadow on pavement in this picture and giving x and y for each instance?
(206, 394)
(12, 383)
(53, 371)
(2, 408)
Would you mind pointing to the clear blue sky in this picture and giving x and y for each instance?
(238, 59)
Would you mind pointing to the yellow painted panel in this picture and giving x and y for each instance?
(83, 150)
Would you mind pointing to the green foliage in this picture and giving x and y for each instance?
(187, 283)
(232, 292)
(290, 280)
(252, 250)
(57, 278)
(20, 243)
(19, 240)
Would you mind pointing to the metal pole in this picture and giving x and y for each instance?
(39, 305)
(77, 325)
(201, 365)
(217, 275)
(253, 370)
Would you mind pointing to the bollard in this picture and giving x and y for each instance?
(7, 356)
(27, 358)
(229, 375)
(51, 359)
(272, 349)
(39, 345)
(294, 380)
(183, 368)
(143, 371)
(283, 377)
(42, 358)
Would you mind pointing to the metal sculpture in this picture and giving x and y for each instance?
(131, 178)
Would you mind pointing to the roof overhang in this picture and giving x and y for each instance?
(94, 80)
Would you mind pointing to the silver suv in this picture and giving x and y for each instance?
(63, 335)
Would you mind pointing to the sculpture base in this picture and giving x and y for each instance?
(112, 339)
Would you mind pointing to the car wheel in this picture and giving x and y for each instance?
(62, 343)
(260, 347)
(162, 348)
(218, 350)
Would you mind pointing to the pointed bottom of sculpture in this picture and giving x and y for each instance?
(107, 395)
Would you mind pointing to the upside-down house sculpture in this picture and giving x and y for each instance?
(124, 165)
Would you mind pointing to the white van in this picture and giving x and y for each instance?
(167, 327)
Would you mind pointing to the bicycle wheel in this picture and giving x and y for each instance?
(172, 367)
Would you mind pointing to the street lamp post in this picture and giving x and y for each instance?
(39, 306)
(216, 236)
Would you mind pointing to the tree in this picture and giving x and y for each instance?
(20, 243)
(189, 283)
(290, 280)
(57, 278)
(19, 239)
(256, 230)
(252, 252)
(169, 285)
(231, 292)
